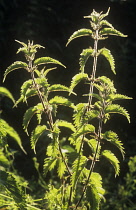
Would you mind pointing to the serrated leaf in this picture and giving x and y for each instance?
(13, 66)
(49, 164)
(113, 160)
(87, 128)
(107, 81)
(77, 168)
(105, 22)
(63, 123)
(76, 79)
(92, 114)
(36, 133)
(46, 60)
(79, 33)
(115, 108)
(61, 168)
(59, 100)
(93, 145)
(78, 115)
(4, 91)
(86, 53)
(58, 87)
(113, 97)
(111, 31)
(29, 114)
(28, 89)
(113, 138)
(95, 191)
(107, 54)
(3, 159)
(11, 132)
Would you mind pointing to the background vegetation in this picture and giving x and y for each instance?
(50, 23)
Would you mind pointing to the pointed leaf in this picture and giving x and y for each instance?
(115, 108)
(49, 164)
(107, 54)
(79, 33)
(29, 114)
(58, 87)
(76, 79)
(77, 168)
(105, 14)
(78, 115)
(46, 60)
(113, 97)
(11, 132)
(107, 81)
(111, 31)
(113, 138)
(95, 191)
(36, 133)
(61, 168)
(4, 91)
(59, 100)
(63, 123)
(87, 128)
(15, 65)
(86, 53)
(113, 160)
(105, 22)
(93, 145)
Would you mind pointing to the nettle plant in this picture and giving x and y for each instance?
(76, 185)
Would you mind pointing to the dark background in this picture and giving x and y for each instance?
(50, 23)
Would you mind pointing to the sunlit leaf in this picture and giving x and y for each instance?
(79, 33)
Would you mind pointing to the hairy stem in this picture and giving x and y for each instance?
(47, 112)
(89, 108)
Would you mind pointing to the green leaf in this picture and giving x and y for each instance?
(49, 164)
(3, 159)
(105, 22)
(113, 138)
(79, 33)
(95, 191)
(113, 160)
(93, 145)
(76, 79)
(87, 128)
(113, 97)
(15, 65)
(46, 60)
(107, 54)
(58, 87)
(78, 115)
(77, 168)
(115, 108)
(11, 132)
(22, 43)
(4, 91)
(105, 14)
(92, 114)
(86, 53)
(108, 82)
(63, 123)
(61, 168)
(111, 31)
(29, 114)
(59, 100)
(36, 133)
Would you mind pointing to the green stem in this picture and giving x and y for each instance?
(89, 108)
(46, 111)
